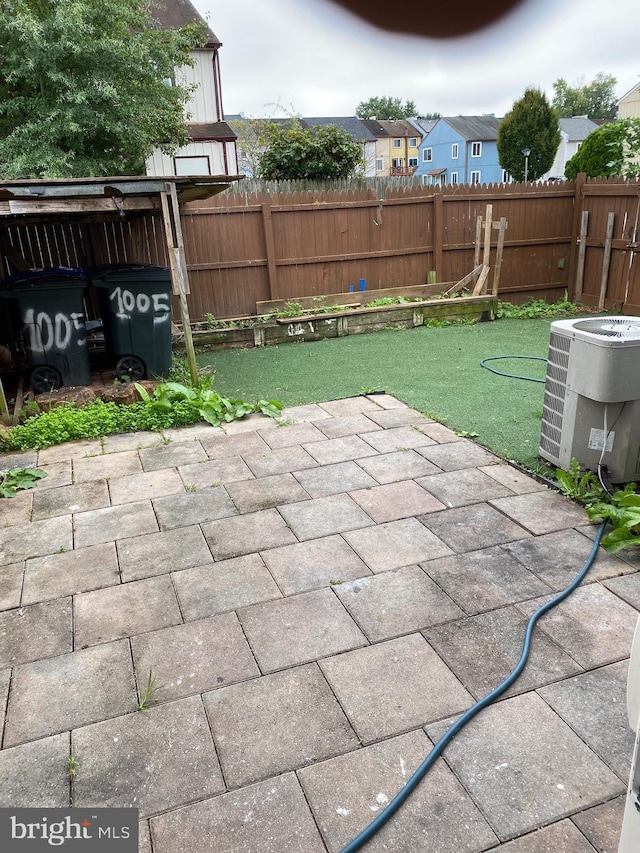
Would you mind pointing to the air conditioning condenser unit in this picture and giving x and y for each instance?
(591, 409)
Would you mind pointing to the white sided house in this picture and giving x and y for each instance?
(211, 149)
(573, 132)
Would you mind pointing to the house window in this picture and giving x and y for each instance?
(397, 162)
(397, 143)
(191, 166)
(413, 142)
(427, 155)
(476, 149)
(506, 177)
(412, 161)
(454, 177)
(379, 165)
(475, 177)
(454, 151)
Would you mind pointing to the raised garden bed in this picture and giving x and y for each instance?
(337, 315)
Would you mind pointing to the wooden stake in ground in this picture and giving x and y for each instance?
(179, 274)
(606, 260)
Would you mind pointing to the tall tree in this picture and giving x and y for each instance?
(319, 153)
(532, 124)
(84, 87)
(612, 149)
(386, 108)
(595, 100)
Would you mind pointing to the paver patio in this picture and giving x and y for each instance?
(317, 602)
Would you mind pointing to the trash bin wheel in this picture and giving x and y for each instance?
(45, 378)
(130, 368)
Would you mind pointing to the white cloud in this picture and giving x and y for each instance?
(310, 55)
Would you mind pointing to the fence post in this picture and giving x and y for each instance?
(575, 233)
(438, 233)
(272, 270)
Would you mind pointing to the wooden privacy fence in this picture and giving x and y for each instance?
(580, 237)
(244, 249)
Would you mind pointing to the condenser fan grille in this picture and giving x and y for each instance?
(627, 328)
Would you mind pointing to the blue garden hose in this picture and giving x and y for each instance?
(484, 361)
(367, 834)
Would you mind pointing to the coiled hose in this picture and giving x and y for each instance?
(367, 834)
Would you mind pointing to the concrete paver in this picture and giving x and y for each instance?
(520, 780)
(68, 499)
(155, 759)
(192, 508)
(115, 522)
(193, 658)
(35, 772)
(58, 694)
(593, 625)
(268, 817)
(121, 611)
(39, 631)
(314, 564)
(345, 793)
(496, 638)
(276, 723)
(160, 553)
(224, 585)
(334, 479)
(324, 516)
(400, 601)
(485, 579)
(395, 686)
(299, 629)
(11, 577)
(69, 572)
(595, 706)
(310, 623)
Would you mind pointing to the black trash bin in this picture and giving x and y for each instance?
(135, 302)
(51, 319)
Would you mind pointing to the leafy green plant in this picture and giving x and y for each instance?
(622, 511)
(580, 485)
(535, 308)
(72, 768)
(291, 309)
(18, 479)
(170, 404)
(147, 696)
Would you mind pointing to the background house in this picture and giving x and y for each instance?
(629, 103)
(461, 150)
(397, 146)
(573, 132)
(358, 131)
(212, 146)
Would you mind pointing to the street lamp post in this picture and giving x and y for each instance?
(526, 152)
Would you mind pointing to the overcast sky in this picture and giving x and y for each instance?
(317, 60)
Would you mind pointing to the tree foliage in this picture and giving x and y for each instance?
(83, 88)
(595, 100)
(293, 152)
(386, 108)
(249, 143)
(533, 124)
(612, 149)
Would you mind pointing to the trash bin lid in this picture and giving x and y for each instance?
(118, 273)
(50, 277)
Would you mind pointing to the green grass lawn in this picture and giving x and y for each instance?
(434, 370)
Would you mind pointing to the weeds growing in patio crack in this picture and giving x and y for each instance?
(147, 697)
(72, 768)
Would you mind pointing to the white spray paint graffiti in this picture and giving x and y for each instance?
(128, 302)
(48, 333)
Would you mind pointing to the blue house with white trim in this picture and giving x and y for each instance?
(461, 150)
